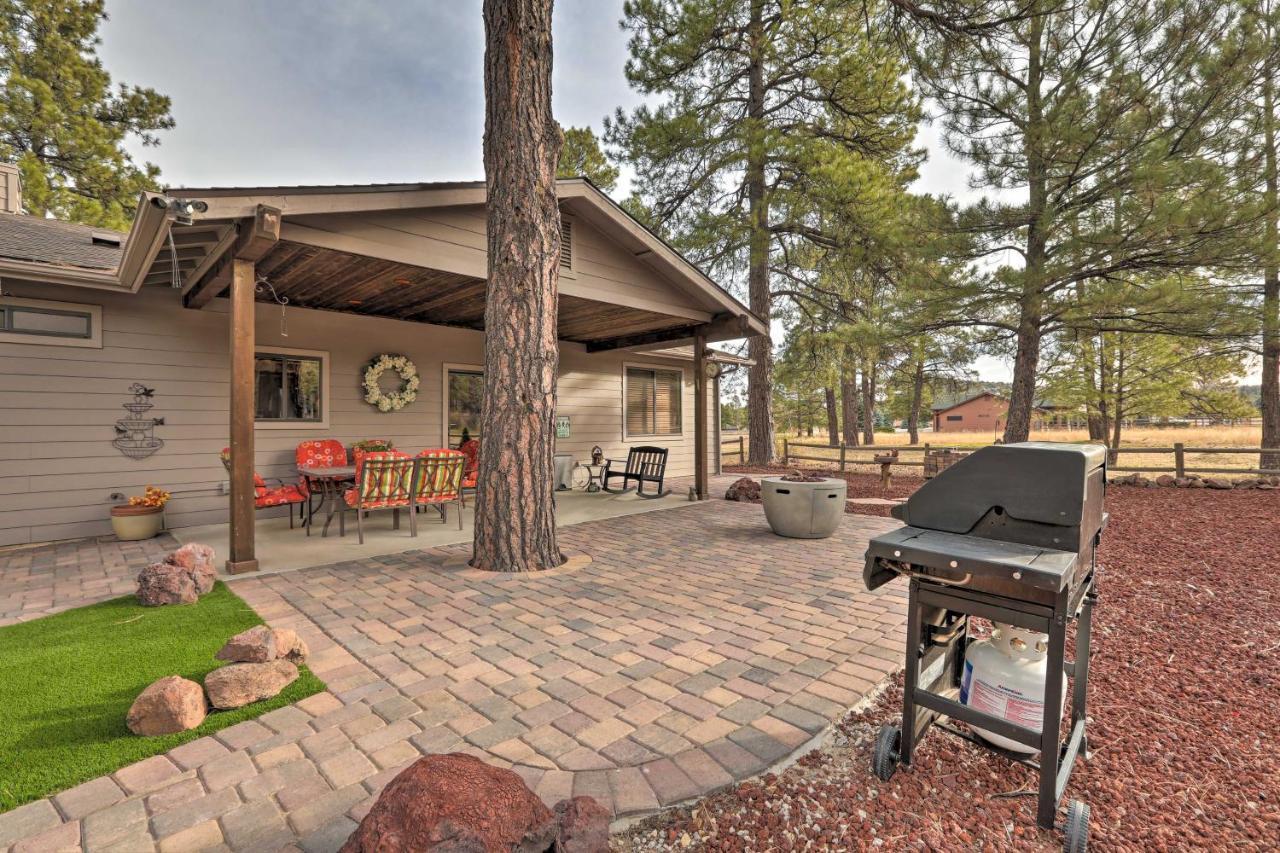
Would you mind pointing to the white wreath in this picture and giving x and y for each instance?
(373, 393)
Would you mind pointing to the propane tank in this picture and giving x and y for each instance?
(1004, 676)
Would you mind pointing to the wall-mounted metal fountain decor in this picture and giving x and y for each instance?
(135, 435)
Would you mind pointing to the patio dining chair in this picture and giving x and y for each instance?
(384, 480)
(266, 495)
(471, 471)
(439, 481)
(317, 453)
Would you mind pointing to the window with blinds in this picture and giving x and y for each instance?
(653, 401)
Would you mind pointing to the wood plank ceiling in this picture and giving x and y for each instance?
(329, 280)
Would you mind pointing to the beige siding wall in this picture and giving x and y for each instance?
(58, 467)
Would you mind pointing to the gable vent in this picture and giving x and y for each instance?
(566, 245)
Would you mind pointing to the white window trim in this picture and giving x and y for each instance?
(323, 423)
(94, 341)
(444, 394)
(644, 365)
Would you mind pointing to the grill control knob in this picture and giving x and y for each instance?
(1017, 576)
(954, 564)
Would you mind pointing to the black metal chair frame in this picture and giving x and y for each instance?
(645, 464)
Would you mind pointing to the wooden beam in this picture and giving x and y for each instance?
(700, 479)
(723, 327)
(242, 557)
(253, 239)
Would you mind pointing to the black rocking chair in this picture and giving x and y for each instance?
(644, 465)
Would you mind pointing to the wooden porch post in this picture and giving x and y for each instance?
(242, 557)
(700, 415)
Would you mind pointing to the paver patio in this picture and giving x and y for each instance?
(694, 649)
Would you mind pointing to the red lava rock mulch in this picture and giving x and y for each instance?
(1184, 706)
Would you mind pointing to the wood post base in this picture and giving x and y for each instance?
(241, 567)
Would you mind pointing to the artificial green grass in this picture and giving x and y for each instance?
(67, 681)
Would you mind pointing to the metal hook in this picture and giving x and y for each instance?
(282, 301)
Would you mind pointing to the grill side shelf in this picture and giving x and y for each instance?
(950, 556)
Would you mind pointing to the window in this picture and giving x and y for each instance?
(955, 417)
(37, 321)
(290, 388)
(653, 401)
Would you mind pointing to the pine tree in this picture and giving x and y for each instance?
(582, 156)
(61, 119)
(761, 102)
(1097, 130)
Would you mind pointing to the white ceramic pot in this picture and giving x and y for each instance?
(803, 510)
(133, 523)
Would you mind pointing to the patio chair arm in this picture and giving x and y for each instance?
(274, 482)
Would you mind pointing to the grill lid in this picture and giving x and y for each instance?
(1034, 481)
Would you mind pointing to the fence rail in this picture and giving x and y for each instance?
(864, 455)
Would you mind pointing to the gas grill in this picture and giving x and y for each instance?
(1006, 534)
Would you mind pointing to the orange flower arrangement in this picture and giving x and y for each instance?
(153, 497)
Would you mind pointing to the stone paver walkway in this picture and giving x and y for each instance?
(695, 649)
(38, 580)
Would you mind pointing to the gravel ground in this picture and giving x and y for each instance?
(1184, 707)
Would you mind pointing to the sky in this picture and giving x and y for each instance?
(324, 92)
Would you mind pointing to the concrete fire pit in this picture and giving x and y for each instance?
(803, 510)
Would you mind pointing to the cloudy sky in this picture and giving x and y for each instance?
(327, 92)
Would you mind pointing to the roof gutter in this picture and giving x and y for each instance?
(146, 237)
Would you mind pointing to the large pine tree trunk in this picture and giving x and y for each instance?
(833, 417)
(515, 529)
(868, 404)
(1026, 363)
(760, 374)
(1270, 281)
(849, 398)
(917, 397)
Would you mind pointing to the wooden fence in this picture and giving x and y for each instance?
(864, 455)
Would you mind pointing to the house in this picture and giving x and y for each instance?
(248, 317)
(984, 411)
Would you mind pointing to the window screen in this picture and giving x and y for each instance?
(653, 401)
(287, 388)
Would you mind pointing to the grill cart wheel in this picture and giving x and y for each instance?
(885, 759)
(1076, 833)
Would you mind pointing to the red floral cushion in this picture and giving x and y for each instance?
(321, 453)
(278, 496)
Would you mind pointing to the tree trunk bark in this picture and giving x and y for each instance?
(760, 376)
(515, 528)
(833, 417)
(1271, 275)
(868, 404)
(1118, 414)
(848, 398)
(917, 397)
(1017, 425)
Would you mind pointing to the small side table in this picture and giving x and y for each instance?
(595, 477)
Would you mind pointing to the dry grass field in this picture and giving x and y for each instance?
(1135, 438)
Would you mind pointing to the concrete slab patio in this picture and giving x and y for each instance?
(693, 649)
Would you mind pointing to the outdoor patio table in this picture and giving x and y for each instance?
(330, 479)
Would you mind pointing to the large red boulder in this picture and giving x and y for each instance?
(583, 826)
(743, 489)
(172, 704)
(197, 559)
(458, 803)
(260, 644)
(238, 684)
(165, 583)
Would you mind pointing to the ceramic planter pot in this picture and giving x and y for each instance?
(803, 510)
(132, 523)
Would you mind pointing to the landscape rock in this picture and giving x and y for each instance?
(1166, 480)
(238, 684)
(1217, 483)
(166, 583)
(582, 826)
(260, 644)
(198, 560)
(1197, 483)
(172, 704)
(458, 803)
(743, 489)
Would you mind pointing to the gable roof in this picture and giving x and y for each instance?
(51, 241)
(948, 404)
